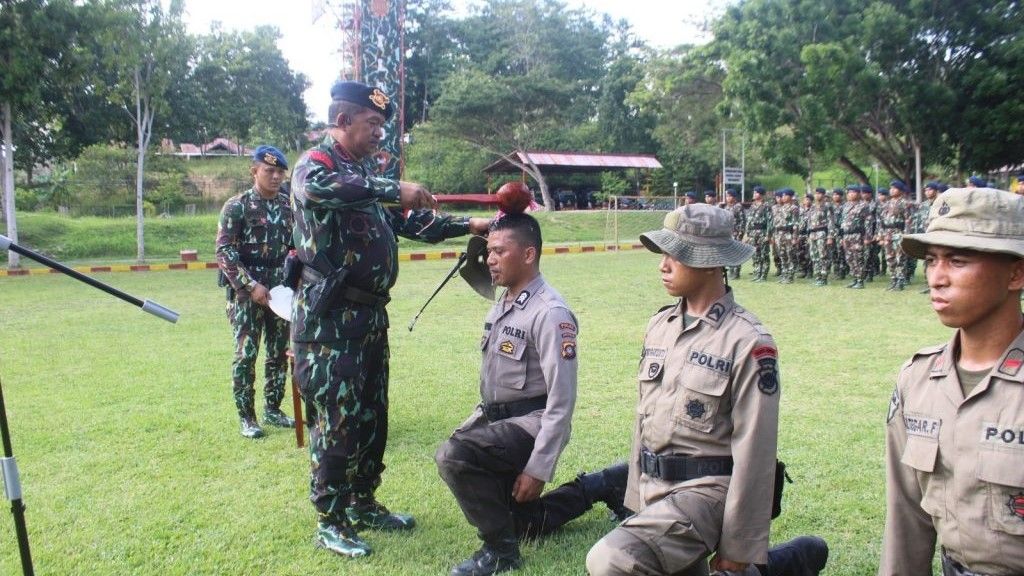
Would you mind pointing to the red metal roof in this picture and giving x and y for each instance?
(578, 161)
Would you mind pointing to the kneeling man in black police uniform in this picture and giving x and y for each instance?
(499, 459)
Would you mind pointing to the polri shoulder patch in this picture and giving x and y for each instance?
(568, 350)
(767, 375)
(1012, 363)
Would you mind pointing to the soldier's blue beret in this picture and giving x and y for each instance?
(977, 181)
(368, 97)
(933, 185)
(899, 185)
(882, 191)
(271, 156)
(1020, 177)
(733, 193)
(778, 193)
(788, 192)
(853, 187)
(943, 186)
(867, 188)
(691, 194)
(709, 192)
(820, 189)
(759, 189)
(837, 191)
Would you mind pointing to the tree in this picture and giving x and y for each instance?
(35, 37)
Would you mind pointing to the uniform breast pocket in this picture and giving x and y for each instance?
(921, 455)
(699, 400)
(257, 234)
(1002, 473)
(510, 362)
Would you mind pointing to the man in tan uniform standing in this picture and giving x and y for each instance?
(955, 428)
(507, 450)
(703, 458)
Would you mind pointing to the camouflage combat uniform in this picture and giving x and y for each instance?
(253, 238)
(872, 266)
(350, 215)
(739, 224)
(892, 222)
(853, 230)
(918, 224)
(839, 266)
(758, 223)
(786, 218)
(803, 247)
(820, 229)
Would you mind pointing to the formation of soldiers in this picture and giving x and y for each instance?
(848, 234)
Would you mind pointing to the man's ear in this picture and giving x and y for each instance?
(1017, 275)
(530, 254)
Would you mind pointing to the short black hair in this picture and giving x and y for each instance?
(524, 227)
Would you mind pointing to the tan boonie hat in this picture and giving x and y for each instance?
(699, 236)
(982, 219)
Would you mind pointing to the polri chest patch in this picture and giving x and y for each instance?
(1002, 435)
(514, 332)
(710, 362)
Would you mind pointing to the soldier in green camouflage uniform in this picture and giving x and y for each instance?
(758, 222)
(892, 224)
(871, 249)
(820, 235)
(854, 229)
(839, 267)
(347, 219)
(882, 200)
(803, 248)
(254, 235)
(774, 201)
(786, 218)
(739, 223)
(919, 220)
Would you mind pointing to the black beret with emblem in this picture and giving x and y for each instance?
(366, 96)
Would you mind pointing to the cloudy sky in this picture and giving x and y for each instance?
(309, 47)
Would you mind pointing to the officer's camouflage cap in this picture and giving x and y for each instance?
(982, 219)
(699, 236)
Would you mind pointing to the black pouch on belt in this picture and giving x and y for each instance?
(326, 291)
(780, 482)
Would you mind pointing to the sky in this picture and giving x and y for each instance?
(310, 47)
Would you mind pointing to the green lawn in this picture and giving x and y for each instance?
(131, 462)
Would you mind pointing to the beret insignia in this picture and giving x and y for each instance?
(379, 99)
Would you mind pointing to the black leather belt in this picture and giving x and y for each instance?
(893, 226)
(854, 231)
(818, 229)
(951, 567)
(502, 410)
(261, 262)
(784, 229)
(673, 468)
(357, 295)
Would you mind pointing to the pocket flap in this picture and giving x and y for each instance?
(1001, 467)
(920, 453)
(701, 381)
(509, 347)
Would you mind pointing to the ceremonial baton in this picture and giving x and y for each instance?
(451, 273)
(146, 305)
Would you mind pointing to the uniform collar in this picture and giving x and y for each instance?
(715, 313)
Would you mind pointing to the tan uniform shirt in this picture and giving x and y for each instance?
(955, 466)
(529, 350)
(712, 389)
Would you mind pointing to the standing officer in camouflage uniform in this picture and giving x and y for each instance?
(254, 234)
(853, 231)
(820, 233)
(775, 203)
(759, 220)
(501, 457)
(739, 223)
(803, 250)
(892, 221)
(955, 428)
(703, 455)
(786, 218)
(346, 221)
(880, 204)
(871, 248)
(839, 267)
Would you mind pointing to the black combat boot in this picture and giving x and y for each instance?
(859, 285)
(608, 486)
(494, 557)
(803, 556)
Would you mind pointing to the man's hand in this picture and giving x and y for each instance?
(479, 226)
(526, 488)
(260, 294)
(413, 196)
(719, 564)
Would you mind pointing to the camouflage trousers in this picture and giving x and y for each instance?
(345, 387)
(820, 254)
(895, 259)
(853, 245)
(249, 323)
(839, 266)
(872, 257)
(804, 264)
(786, 250)
(761, 261)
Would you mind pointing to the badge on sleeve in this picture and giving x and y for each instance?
(894, 404)
(767, 369)
(568, 349)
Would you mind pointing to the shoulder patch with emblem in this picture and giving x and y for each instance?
(894, 404)
(716, 311)
(767, 369)
(1012, 363)
(568, 349)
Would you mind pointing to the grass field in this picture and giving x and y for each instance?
(131, 462)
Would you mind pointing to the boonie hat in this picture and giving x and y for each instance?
(982, 219)
(699, 236)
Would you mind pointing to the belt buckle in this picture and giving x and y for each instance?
(650, 463)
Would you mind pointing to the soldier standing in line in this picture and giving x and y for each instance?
(254, 234)
(870, 255)
(839, 267)
(759, 219)
(853, 231)
(803, 251)
(920, 218)
(347, 219)
(820, 235)
(739, 223)
(954, 436)
(883, 199)
(893, 217)
(784, 231)
(703, 455)
(776, 202)
(691, 198)
(500, 458)
(710, 198)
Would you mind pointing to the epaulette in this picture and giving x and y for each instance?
(931, 350)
